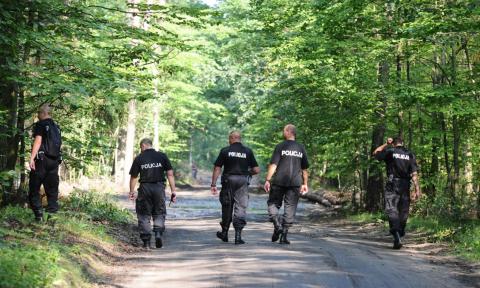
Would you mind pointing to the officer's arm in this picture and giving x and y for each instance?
(418, 193)
(216, 172)
(271, 170)
(382, 147)
(35, 148)
(305, 177)
(171, 180)
(133, 184)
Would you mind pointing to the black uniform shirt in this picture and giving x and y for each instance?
(151, 165)
(401, 163)
(290, 158)
(41, 127)
(237, 159)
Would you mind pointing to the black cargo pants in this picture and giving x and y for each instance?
(283, 195)
(46, 174)
(234, 200)
(150, 204)
(397, 203)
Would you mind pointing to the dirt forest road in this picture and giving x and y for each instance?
(321, 254)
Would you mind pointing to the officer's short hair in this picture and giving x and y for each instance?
(45, 109)
(398, 140)
(235, 134)
(146, 141)
(291, 128)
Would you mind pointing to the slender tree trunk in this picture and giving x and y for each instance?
(130, 141)
(120, 155)
(399, 89)
(156, 135)
(375, 177)
(468, 170)
(134, 21)
(190, 150)
(156, 81)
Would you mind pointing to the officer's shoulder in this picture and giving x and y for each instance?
(409, 152)
(225, 149)
(40, 123)
(163, 154)
(246, 148)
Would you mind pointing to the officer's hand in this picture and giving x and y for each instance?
(304, 189)
(417, 195)
(132, 195)
(389, 141)
(267, 186)
(214, 190)
(173, 198)
(32, 164)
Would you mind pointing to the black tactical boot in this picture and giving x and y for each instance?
(223, 235)
(158, 239)
(238, 237)
(397, 243)
(39, 218)
(277, 231)
(283, 238)
(146, 244)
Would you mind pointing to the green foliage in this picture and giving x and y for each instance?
(464, 236)
(368, 217)
(28, 267)
(316, 64)
(461, 235)
(95, 207)
(50, 254)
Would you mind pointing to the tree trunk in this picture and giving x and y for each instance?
(468, 170)
(156, 123)
(375, 177)
(130, 141)
(120, 156)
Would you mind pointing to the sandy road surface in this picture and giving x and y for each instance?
(321, 255)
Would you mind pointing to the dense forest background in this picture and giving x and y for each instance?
(348, 74)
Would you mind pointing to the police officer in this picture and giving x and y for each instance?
(44, 161)
(150, 202)
(239, 163)
(401, 170)
(288, 167)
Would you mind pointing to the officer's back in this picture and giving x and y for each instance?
(236, 159)
(290, 158)
(152, 166)
(400, 162)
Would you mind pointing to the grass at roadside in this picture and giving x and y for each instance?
(67, 251)
(462, 235)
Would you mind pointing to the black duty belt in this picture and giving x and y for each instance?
(391, 178)
(228, 175)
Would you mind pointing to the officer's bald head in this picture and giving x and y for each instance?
(145, 143)
(289, 131)
(234, 137)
